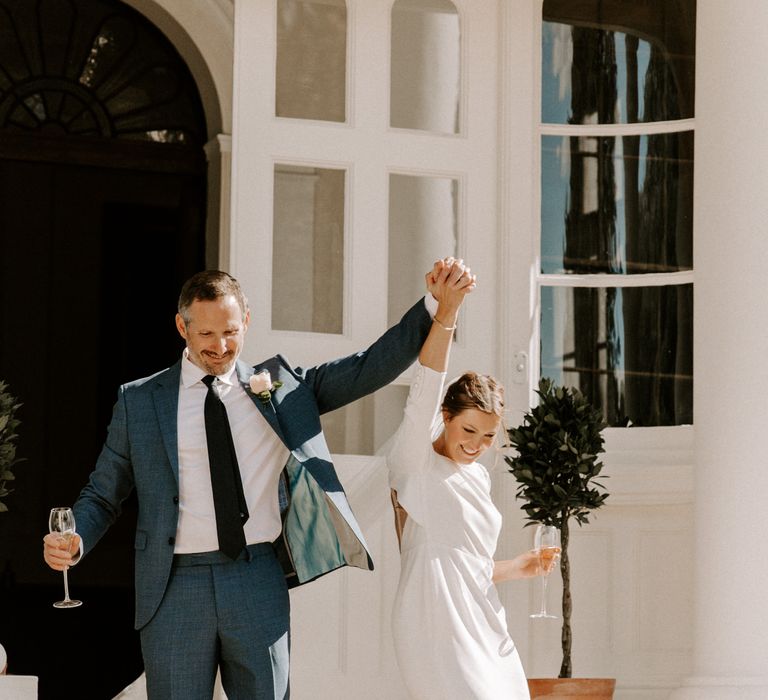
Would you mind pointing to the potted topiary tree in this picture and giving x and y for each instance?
(8, 425)
(558, 475)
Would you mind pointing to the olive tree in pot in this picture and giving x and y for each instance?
(558, 473)
(8, 425)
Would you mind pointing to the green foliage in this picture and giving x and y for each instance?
(557, 465)
(558, 474)
(8, 425)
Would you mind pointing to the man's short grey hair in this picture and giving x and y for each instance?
(210, 285)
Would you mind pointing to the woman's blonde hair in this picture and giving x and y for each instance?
(473, 390)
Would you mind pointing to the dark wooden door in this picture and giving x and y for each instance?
(92, 257)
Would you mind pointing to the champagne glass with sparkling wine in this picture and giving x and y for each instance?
(62, 523)
(546, 543)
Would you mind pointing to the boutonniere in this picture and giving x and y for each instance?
(262, 385)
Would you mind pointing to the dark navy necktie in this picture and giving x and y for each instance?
(228, 497)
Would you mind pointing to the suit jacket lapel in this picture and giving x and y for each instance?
(166, 397)
(244, 373)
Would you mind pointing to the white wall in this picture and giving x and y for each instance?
(731, 332)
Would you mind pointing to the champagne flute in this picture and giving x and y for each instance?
(546, 543)
(62, 522)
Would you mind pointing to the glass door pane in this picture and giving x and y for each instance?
(311, 71)
(425, 71)
(308, 249)
(423, 226)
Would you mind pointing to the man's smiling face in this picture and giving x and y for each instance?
(215, 333)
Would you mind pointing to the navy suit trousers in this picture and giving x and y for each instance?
(217, 612)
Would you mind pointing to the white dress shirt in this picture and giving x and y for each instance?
(261, 457)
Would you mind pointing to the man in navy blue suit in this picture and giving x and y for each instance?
(201, 605)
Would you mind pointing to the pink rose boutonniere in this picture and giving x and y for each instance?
(262, 385)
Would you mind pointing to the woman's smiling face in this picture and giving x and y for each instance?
(467, 435)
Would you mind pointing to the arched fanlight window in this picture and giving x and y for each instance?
(93, 68)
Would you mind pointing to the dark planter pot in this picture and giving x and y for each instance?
(571, 688)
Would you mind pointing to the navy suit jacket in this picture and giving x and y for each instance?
(319, 532)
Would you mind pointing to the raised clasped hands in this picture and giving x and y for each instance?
(58, 553)
(449, 281)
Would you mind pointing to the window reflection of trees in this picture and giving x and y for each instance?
(650, 176)
(666, 28)
(629, 349)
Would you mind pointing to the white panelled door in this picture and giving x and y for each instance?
(336, 217)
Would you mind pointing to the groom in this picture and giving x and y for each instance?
(238, 497)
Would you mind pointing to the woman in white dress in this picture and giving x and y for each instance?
(449, 627)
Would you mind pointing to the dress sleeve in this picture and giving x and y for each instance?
(413, 439)
(410, 454)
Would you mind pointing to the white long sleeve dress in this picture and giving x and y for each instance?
(449, 627)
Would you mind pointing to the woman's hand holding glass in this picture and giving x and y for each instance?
(546, 544)
(525, 565)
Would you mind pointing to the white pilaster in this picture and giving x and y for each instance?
(731, 338)
(218, 153)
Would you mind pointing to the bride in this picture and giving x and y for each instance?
(449, 627)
